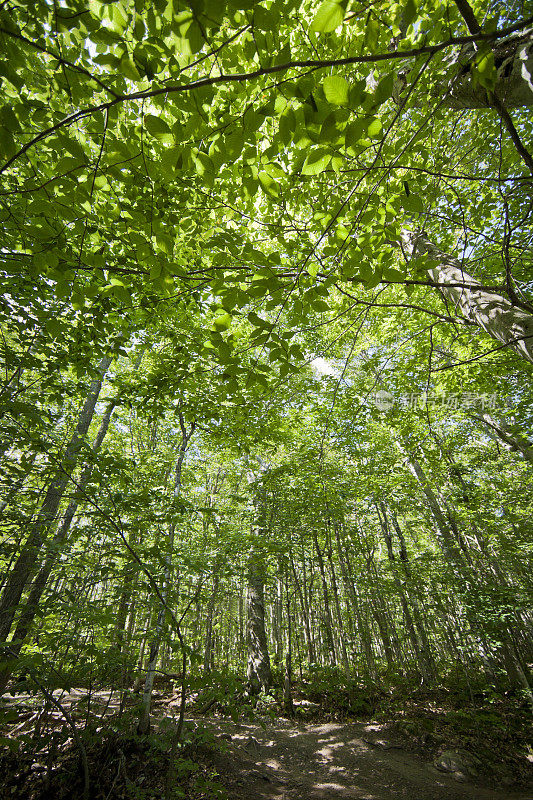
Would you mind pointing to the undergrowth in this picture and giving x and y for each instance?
(40, 759)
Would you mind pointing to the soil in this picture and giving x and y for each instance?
(355, 761)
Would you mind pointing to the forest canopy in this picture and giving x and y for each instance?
(267, 347)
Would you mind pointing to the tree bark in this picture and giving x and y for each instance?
(208, 648)
(336, 600)
(277, 618)
(418, 647)
(41, 579)
(513, 59)
(143, 726)
(259, 676)
(445, 537)
(362, 625)
(126, 599)
(258, 671)
(502, 320)
(420, 627)
(514, 442)
(25, 563)
(288, 705)
(328, 622)
(302, 596)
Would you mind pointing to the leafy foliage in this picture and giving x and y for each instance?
(219, 197)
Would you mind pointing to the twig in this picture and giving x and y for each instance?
(120, 760)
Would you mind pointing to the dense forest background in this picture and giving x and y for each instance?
(267, 346)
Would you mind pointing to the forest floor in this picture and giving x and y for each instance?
(355, 761)
(402, 750)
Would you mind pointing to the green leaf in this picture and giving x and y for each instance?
(283, 55)
(7, 143)
(374, 129)
(78, 301)
(287, 125)
(392, 274)
(234, 142)
(336, 90)
(9, 119)
(158, 128)
(96, 8)
(128, 68)
(74, 147)
(222, 320)
(408, 15)
(164, 243)
(195, 38)
(62, 289)
(354, 131)
(484, 69)
(155, 270)
(268, 184)
(54, 327)
(12, 744)
(118, 17)
(316, 162)
(257, 321)
(371, 33)
(264, 20)
(413, 203)
(328, 17)
(204, 165)
(384, 89)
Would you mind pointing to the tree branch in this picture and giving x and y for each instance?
(391, 55)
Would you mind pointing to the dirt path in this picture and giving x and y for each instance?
(331, 760)
(303, 761)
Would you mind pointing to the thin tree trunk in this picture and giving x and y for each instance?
(508, 652)
(140, 663)
(25, 563)
(445, 538)
(416, 644)
(362, 626)
(277, 619)
(336, 601)
(39, 583)
(328, 624)
(143, 726)
(258, 672)
(382, 624)
(208, 648)
(288, 705)
(305, 614)
(126, 598)
(420, 627)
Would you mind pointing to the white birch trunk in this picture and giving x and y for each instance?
(503, 321)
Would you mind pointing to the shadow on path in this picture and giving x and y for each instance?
(330, 760)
